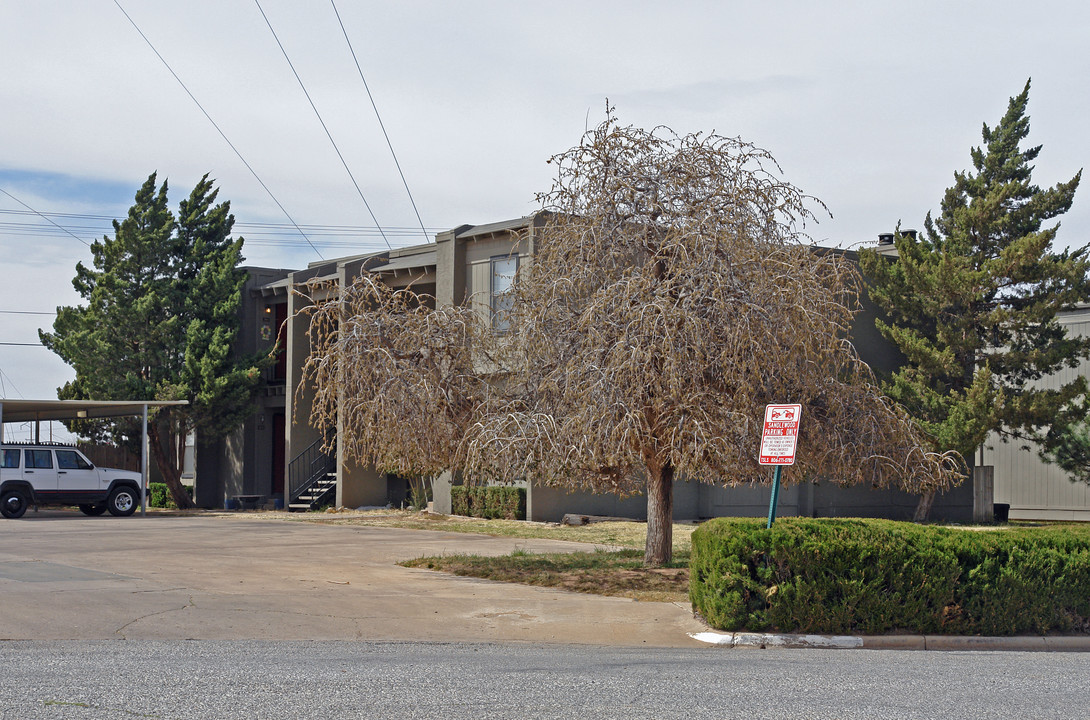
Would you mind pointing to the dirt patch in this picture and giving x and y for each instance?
(618, 574)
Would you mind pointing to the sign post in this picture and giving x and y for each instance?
(778, 441)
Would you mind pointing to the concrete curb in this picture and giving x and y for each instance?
(1066, 643)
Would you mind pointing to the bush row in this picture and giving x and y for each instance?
(878, 576)
(489, 502)
(159, 495)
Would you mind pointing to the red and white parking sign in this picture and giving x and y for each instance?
(781, 433)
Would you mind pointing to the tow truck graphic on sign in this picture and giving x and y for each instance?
(781, 434)
(783, 413)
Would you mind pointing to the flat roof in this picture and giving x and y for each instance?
(26, 410)
(414, 261)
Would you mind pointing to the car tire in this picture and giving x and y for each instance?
(122, 502)
(13, 504)
(92, 510)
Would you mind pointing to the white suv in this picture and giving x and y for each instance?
(55, 474)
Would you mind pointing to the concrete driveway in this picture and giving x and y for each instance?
(221, 577)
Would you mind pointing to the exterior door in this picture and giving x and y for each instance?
(278, 454)
(39, 470)
(75, 473)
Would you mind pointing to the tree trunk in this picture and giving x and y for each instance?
(172, 474)
(923, 508)
(659, 549)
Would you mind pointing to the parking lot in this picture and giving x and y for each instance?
(220, 576)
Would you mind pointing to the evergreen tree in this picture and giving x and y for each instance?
(972, 303)
(1068, 445)
(160, 322)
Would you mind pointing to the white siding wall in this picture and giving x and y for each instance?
(1033, 488)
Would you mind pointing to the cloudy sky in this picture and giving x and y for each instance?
(869, 106)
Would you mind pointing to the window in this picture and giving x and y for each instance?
(11, 458)
(72, 460)
(504, 269)
(41, 459)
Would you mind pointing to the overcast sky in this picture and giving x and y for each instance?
(869, 106)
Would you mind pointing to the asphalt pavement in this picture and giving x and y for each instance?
(64, 576)
(457, 681)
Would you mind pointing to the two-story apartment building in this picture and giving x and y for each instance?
(276, 455)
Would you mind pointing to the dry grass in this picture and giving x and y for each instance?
(617, 534)
(620, 573)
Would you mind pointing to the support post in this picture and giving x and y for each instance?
(144, 465)
(1, 422)
(775, 495)
(984, 494)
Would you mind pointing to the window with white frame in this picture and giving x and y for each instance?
(504, 269)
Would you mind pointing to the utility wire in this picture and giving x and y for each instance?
(37, 344)
(380, 123)
(43, 217)
(25, 312)
(312, 229)
(328, 134)
(10, 382)
(222, 134)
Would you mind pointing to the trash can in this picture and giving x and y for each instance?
(1001, 511)
(230, 504)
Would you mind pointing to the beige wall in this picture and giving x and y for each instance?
(478, 268)
(1034, 489)
(359, 487)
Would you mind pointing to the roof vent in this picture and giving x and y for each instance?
(887, 238)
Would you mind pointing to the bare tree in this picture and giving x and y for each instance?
(668, 300)
(401, 378)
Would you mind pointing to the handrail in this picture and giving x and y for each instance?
(307, 468)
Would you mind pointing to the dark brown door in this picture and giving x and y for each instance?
(278, 453)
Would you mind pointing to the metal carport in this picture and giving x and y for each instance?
(38, 410)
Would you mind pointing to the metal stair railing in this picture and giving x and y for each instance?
(307, 468)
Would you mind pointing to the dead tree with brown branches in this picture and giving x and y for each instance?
(670, 297)
(398, 380)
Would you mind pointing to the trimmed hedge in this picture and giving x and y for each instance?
(159, 495)
(489, 502)
(879, 576)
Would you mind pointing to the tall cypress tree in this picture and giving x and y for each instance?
(160, 322)
(972, 303)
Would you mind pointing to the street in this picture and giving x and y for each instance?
(261, 679)
(236, 616)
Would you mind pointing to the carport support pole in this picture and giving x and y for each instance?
(1, 422)
(144, 466)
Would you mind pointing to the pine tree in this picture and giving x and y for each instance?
(972, 303)
(160, 322)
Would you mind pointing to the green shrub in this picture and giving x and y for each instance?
(159, 496)
(489, 502)
(878, 576)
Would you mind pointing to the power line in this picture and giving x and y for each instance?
(222, 134)
(11, 382)
(37, 344)
(241, 225)
(43, 216)
(328, 134)
(380, 123)
(25, 312)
